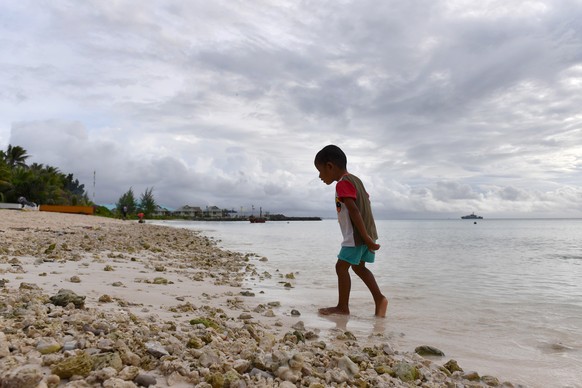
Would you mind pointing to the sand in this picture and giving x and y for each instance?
(136, 254)
(148, 282)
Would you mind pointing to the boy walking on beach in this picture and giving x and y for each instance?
(357, 226)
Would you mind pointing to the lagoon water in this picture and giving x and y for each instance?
(502, 297)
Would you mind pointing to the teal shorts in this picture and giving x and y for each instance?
(355, 255)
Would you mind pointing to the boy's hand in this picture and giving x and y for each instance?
(372, 245)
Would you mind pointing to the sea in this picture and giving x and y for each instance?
(502, 297)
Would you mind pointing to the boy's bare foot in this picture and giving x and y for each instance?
(333, 310)
(382, 307)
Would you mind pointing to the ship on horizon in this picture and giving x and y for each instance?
(472, 216)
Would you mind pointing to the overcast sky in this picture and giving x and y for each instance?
(443, 107)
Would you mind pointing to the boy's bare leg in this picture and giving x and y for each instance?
(344, 285)
(370, 281)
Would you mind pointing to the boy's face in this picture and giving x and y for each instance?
(326, 172)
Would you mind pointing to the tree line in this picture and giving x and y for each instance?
(43, 184)
(36, 182)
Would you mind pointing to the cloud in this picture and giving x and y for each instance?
(443, 107)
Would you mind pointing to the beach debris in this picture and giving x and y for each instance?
(406, 371)
(472, 376)
(79, 364)
(29, 286)
(206, 322)
(75, 279)
(64, 297)
(452, 366)
(156, 349)
(348, 366)
(50, 248)
(160, 280)
(490, 381)
(245, 316)
(145, 380)
(388, 349)
(107, 360)
(4, 345)
(24, 376)
(47, 345)
(105, 298)
(426, 350)
(346, 336)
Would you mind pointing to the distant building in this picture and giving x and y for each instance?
(213, 212)
(162, 212)
(188, 212)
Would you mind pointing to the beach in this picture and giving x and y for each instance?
(89, 301)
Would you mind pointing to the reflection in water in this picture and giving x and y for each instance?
(341, 321)
(359, 327)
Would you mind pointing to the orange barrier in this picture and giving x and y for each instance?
(67, 209)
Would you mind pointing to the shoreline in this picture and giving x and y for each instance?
(168, 305)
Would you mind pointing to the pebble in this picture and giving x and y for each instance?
(145, 380)
(4, 345)
(156, 349)
(426, 350)
(75, 279)
(70, 345)
(24, 376)
(48, 345)
(348, 365)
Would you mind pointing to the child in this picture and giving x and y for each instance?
(357, 226)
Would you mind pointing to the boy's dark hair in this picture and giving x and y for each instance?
(332, 154)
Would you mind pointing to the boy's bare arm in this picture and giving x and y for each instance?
(358, 221)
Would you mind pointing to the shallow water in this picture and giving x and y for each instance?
(503, 297)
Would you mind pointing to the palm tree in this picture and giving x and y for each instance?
(22, 183)
(37, 182)
(15, 156)
(5, 177)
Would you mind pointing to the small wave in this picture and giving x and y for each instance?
(555, 347)
(567, 257)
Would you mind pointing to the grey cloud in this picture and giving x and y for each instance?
(443, 110)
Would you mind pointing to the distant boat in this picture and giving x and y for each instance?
(472, 216)
(259, 219)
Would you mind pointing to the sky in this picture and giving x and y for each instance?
(443, 107)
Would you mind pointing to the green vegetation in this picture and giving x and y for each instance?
(127, 199)
(146, 205)
(36, 182)
(47, 185)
